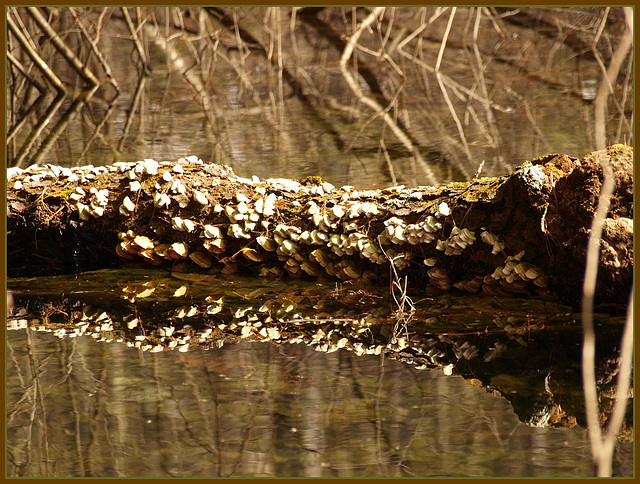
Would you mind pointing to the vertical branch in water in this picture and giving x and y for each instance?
(603, 452)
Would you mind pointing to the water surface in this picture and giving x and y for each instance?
(84, 408)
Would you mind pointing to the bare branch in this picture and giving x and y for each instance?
(62, 47)
(42, 65)
(602, 454)
(372, 103)
(136, 41)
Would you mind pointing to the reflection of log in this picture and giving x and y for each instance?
(484, 340)
(525, 233)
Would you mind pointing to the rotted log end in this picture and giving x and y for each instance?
(572, 205)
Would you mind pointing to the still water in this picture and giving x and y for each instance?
(78, 407)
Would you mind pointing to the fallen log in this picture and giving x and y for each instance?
(525, 233)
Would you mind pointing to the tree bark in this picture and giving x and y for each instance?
(520, 234)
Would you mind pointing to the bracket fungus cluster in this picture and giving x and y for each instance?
(490, 235)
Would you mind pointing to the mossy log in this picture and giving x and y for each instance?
(525, 233)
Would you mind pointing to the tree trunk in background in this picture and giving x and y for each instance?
(521, 234)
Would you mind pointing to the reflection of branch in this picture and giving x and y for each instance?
(98, 128)
(443, 89)
(606, 87)
(134, 107)
(530, 117)
(37, 60)
(622, 390)
(191, 75)
(457, 87)
(35, 133)
(136, 41)
(309, 102)
(62, 47)
(496, 141)
(94, 47)
(82, 98)
(372, 103)
(24, 116)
